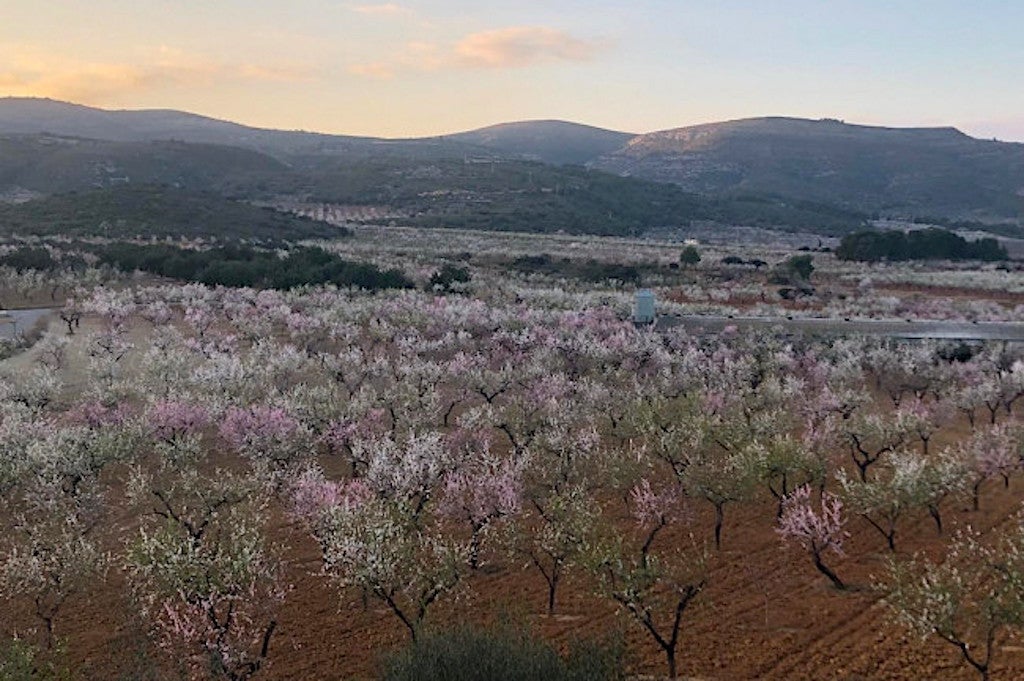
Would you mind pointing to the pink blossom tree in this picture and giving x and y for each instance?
(173, 420)
(817, 528)
(269, 437)
(481, 495)
(990, 453)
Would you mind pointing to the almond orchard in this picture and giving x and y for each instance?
(213, 482)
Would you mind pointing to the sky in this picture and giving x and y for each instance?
(414, 68)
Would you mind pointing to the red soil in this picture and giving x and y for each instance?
(766, 612)
(948, 292)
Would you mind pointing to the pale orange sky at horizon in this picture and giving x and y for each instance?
(421, 69)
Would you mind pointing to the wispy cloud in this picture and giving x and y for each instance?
(25, 71)
(277, 73)
(383, 9)
(504, 48)
(519, 46)
(377, 70)
(413, 57)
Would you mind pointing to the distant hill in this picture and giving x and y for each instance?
(151, 211)
(823, 176)
(902, 171)
(28, 115)
(480, 192)
(555, 142)
(47, 164)
(526, 196)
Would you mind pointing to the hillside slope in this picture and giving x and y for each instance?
(152, 211)
(515, 195)
(907, 171)
(31, 116)
(547, 141)
(47, 164)
(774, 166)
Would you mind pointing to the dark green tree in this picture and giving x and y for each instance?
(689, 256)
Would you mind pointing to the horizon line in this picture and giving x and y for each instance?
(823, 119)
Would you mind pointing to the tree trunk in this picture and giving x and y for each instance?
(934, 512)
(827, 571)
(719, 519)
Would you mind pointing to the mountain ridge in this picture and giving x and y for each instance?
(890, 171)
(547, 140)
(896, 171)
(7, 102)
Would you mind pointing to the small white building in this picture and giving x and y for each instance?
(643, 307)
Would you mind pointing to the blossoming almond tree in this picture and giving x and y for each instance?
(988, 453)
(272, 440)
(655, 585)
(212, 598)
(786, 463)
(871, 436)
(556, 534)
(481, 495)
(909, 481)
(49, 558)
(817, 528)
(50, 551)
(967, 599)
(372, 543)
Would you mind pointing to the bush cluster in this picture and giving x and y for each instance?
(919, 244)
(239, 266)
(500, 654)
(448, 277)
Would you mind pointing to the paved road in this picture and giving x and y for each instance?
(938, 330)
(19, 321)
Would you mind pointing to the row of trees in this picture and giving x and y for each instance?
(419, 439)
(236, 265)
(919, 244)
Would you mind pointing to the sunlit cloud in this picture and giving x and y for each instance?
(505, 48)
(31, 73)
(519, 46)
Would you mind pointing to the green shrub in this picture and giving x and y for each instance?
(28, 258)
(503, 653)
(447, 276)
(796, 269)
(22, 661)
(689, 256)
